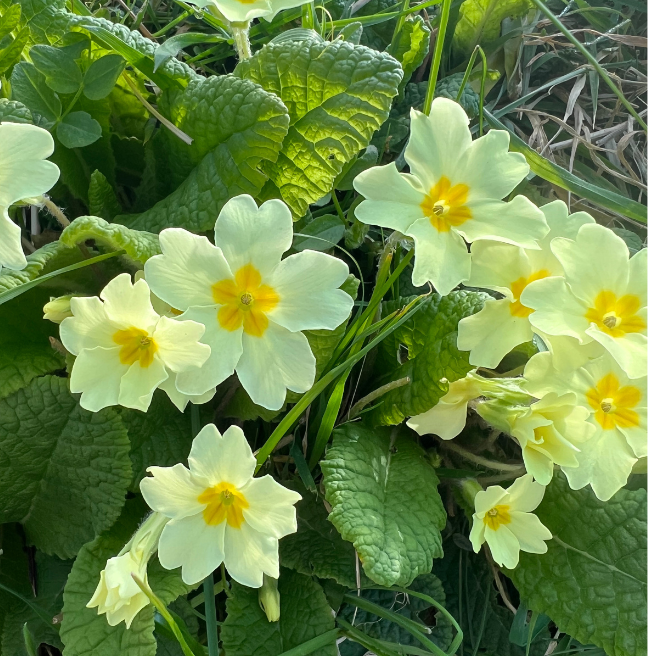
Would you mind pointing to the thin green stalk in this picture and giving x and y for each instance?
(471, 63)
(210, 614)
(313, 644)
(45, 617)
(241, 34)
(338, 209)
(436, 60)
(591, 59)
(393, 46)
(172, 24)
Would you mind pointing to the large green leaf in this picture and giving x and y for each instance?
(480, 21)
(101, 197)
(64, 470)
(236, 127)
(22, 362)
(83, 631)
(384, 496)
(413, 46)
(305, 614)
(337, 96)
(47, 20)
(431, 359)
(592, 580)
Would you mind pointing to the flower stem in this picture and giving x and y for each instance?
(478, 460)
(241, 34)
(210, 616)
(436, 60)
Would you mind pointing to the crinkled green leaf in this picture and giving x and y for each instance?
(21, 361)
(384, 496)
(413, 46)
(12, 111)
(64, 470)
(83, 631)
(426, 345)
(337, 95)
(480, 21)
(138, 245)
(102, 198)
(47, 20)
(305, 614)
(449, 87)
(592, 580)
(236, 127)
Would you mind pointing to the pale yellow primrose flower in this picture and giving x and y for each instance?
(452, 193)
(602, 296)
(253, 305)
(24, 174)
(124, 349)
(617, 406)
(117, 595)
(504, 520)
(219, 513)
(238, 11)
(503, 324)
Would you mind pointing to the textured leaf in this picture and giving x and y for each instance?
(592, 580)
(138, 245)
(21, 361)
(47, 20)
(305, 614)
(64, 470)
(383, 492)
(430, 338)
(236, 126)
(12, 111)
(83, 631)
(337, 96)
(101, 197)
(413, 46)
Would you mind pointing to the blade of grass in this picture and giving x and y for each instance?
(436, 60)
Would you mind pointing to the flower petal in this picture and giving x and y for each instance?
(525, 494)
(530, 532)
(129, 305)
(217, 458)
(237, 11)
(181, 400)
(184, 274)
(194, 545)
(446, 420)
(88, 328)
(561, 223)
(248, 234)
(504, 546)
(630, 351)
(272, 510)
(178, 345)
(538, 463)
(276, 361)
(97, 373)
(11, 252)
(489, 498)
(637, 276)
(172, 491)
(497, 266)
(250, 554)
(309, 298)
(139, 383)
(441, 257)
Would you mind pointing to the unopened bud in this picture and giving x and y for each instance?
(269, 598)
(58, 309)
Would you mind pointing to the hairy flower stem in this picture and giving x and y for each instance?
(478, 460)
(241, 34)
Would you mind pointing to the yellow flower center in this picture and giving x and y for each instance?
(245, 301)
(616, 316)
(612, 404)
(517, 287)
(497, 516)
(224, 502)
(136, 345)
(445, 205)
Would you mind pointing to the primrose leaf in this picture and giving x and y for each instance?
(592, 580)
(322, 233)
(384, 496)
(11, 53)
(12, 111)
(101, 197)
(305, 614)
(428, 345)
(28, 86)
(337, 95)
(413, 46)
(78, 129)
(47, 20)
(65, 471)
(236, 127)
(61, 72)
(102, 75)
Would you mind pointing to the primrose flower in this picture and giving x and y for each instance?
(117, 595)
(219, 513)
(452, 193)
(245, 10)
(253, 305)
(504, 324)
(24, 174)
(124, 349)
(504, 520)
(601, 298)
(617, 406)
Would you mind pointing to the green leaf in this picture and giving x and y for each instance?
(317, 548)
(383, 492)
(28, 86)
(337, 96)
(305, 614)
(102, 201)
(62, 73)
(21, 362)
(172, 46)
(77, 130)
(344, 181)
(327, 231)
(12, 111)
(65, 471)
(162, 436)
(480, 21)
(47, 20)
(11, 54)
(236, 127)
(592, 580)
(429, 355)
(9, 20)
(139, 246)
(83, 631)
(102, 75)
(413, 46)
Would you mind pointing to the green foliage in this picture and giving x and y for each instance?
(12, 111)
(326, 230)
(592, 580)
(384, 497)
(449, 87)
(305, 614)
(67, 469)
(22, 361)
(62, 73)
(102, 75)
(430, 338)
(101, 197)
(337, 95)
(29, 86)
(413, 46)
(78, 129)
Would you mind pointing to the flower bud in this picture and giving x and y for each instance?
(269, 598)
(58, 308)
